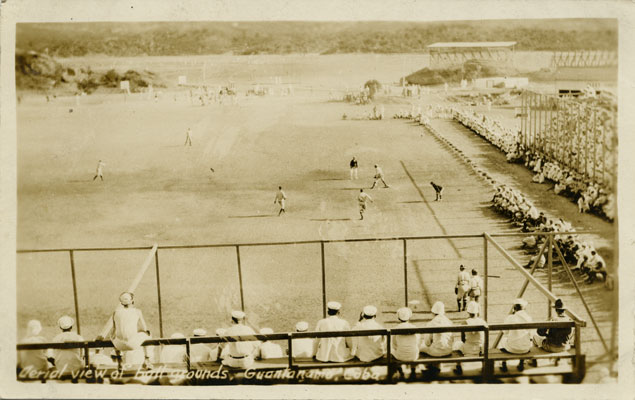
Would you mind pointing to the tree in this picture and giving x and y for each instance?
(373, 87)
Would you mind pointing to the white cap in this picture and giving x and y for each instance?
(266, 331)
(125, 298)
(370, 311)
(239, 315)
(473, 307)
(438, 308)
(65, 322)
(333, 305)
(221, 331)
(522, 302)
(404, 314)
(177, 335)
(199, 332)
(302, 326)
(33, 327)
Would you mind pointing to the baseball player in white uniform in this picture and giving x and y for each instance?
(361, 200)
(379, 176)
(280, 198)
(100, 170)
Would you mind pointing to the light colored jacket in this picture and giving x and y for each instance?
(405, 347)
(368, 348)
(333, 349)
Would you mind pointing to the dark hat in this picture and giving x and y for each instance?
(558, 305)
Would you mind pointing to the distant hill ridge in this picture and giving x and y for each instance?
(194, 38)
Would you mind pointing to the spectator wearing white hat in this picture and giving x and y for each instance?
(33, 360)
(303, 347)
(517, 341)
(68, 360)
(268, 350)
(129, 330)
(472, 342)
(405, 347)
(202, 352)
(438, 344)
(174, 354)
(240, 354)
(368, 348)
(334, 349)
(222, 351)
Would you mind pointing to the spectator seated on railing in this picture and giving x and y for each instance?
(438, 344)
(471, 343)
(173, 354)
(368, 348)
(68, 360)
(333, 349)
(202, 352)
(517, 341)
(303, 348)
(33, 360)
(555, 340)
(268, 350)
(240, 354)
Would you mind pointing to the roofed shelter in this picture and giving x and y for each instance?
(448, 54)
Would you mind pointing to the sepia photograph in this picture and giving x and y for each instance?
(290, 202)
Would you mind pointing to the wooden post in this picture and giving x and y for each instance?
(550, 270)
(485, 279)
(156, 264)
(323, 281)
(240, 278)
(405, 272)
(75, 291)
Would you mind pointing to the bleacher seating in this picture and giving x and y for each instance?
(482, 368)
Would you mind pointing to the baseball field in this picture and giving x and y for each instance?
(156, 190)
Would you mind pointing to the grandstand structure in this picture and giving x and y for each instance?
(452, 54)
(569, 364)
(584, 59)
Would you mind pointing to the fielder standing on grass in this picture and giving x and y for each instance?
(280, 198)
(361, 200)
(100, 170)
(379, 176)
(188, 137)
(353, 165)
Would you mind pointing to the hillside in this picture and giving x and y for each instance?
(189, 38)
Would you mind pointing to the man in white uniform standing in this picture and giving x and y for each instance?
(100, 170)
(280, 199)
(361, 200)
(129, 330)
(334, 349)
(379, 176)
(462, 287)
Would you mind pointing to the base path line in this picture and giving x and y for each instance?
(456, 250)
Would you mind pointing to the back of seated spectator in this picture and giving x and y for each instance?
(438, 344)
(368, 348)
(303, 347)
(405, 347)
(67, 360)
(202, 352)
(33, 360)
(555, 340)
(268, 350)
(174, 354)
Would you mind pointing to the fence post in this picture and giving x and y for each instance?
(405, 271)
(323, 280)
(72, 257)
(485, 273)
(240, 278)
(156, 264)
(550, 270)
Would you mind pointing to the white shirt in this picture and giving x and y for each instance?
(36, 359)
(368, 348)
(303, 348)
(379, 172)
(201, 352)
(270, 350)
(473, 340)
(100, 166)
(173, 354)
(240, 349)
(463, 280)
(126, 322)
(363, 197)
(517, 341)
(334, 348)
(439, 344)
(68, 359)
(280, 196)
(405, 347)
